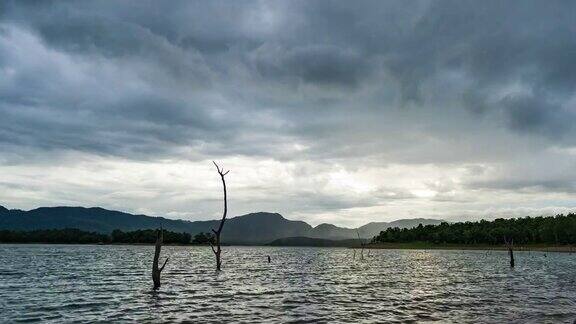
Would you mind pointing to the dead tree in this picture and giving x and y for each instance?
(216, 246)
(155, 270)
(510, 247)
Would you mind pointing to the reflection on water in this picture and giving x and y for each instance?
(113, 283)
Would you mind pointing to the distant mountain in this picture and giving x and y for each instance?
(262, 228)
(254, 228)
(332, 232)
(92, 219)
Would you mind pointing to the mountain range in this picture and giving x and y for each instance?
(253, 228)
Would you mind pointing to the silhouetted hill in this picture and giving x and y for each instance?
(262, 227)
(92, 219)
(333, 232)
(254, 228)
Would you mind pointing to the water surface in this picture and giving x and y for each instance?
(81, 283)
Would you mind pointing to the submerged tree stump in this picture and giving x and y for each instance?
(510, 247)
(155, 270)
(361, 246)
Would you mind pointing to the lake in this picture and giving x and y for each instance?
(85, 283)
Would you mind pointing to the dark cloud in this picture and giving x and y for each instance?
(336, 62)
(316, 64)
(533, 185)
(533, 115)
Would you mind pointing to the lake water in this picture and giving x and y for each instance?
(74, 283)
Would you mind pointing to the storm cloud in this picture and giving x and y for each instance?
(334, 111)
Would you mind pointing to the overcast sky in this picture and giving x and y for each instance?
(324, 111)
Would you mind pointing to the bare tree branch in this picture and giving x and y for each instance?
(217, 251)
(164, 264)
(222, 174)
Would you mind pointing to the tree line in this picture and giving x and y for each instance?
(76, 236)
(559, 229)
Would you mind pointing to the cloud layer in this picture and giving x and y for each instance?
(325, 111)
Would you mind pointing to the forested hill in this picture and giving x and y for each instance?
(75, 236)
(560, 229)
(254, 228)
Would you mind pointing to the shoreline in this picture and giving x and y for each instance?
(378, 246)
(463, 247)
(101, 244)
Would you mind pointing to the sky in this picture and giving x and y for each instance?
(342, 112)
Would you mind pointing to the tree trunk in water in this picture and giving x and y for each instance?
(155, 270)
(218, 259)
(361, 245)
(510, 246)
(511, 253)
(216, 248)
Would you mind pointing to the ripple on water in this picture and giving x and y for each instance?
(59, 283)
